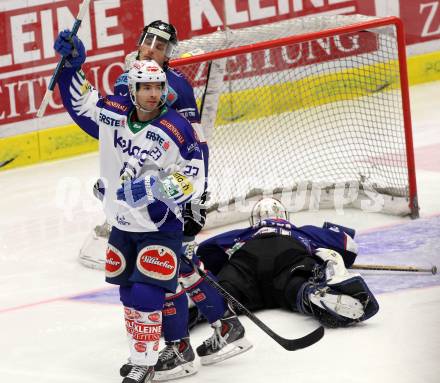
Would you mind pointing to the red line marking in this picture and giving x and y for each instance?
(27, 305)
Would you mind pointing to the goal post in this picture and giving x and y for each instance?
(314, 111)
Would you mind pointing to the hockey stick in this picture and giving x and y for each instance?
(56, 74)
(288, 344)
(413, 269)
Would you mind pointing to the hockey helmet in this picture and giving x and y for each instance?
(268, 208)
(144, 71)
(160, 31)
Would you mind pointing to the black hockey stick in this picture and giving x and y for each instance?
(288, 344)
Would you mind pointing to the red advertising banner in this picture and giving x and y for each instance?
(111, 28)
(421, 19)
(288, 56)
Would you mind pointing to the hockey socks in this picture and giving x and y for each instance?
(175, 316)
(207, 299)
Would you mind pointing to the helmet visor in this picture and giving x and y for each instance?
(161, 44)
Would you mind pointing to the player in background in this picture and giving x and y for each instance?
(273, 263)
(144, 149)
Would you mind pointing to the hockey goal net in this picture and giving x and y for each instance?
(314, 111)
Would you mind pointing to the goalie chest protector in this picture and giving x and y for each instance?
(265, 257)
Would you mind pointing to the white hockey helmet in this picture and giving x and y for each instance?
(268, 208)
(146, 71)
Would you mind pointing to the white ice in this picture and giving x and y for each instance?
(46, 212)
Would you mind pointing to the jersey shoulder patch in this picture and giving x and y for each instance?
(117, 104)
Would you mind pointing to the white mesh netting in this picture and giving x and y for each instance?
(317, 123)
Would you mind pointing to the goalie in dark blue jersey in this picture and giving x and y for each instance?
(273, 264)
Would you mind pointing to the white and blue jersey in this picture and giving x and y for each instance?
(160, 148)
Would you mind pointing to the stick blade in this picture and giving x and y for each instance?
(305, 341)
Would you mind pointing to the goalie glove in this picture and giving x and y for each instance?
(335, 271)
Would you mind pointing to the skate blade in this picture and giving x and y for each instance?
(178, 372)
(230, 350)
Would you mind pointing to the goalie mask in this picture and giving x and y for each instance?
(268, 208)
(146, 71)
(160, 35)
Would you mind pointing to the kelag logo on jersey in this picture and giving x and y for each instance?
(128, 147)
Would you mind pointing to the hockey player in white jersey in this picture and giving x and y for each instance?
(144, 149)
(157, 41)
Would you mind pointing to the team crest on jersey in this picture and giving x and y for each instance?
(114, 262)
(158, 262)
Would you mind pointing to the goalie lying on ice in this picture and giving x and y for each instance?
(304, 269)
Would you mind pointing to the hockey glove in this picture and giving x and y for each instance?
(137, 192)
(71, 47)
(194, 216)
(335, 270)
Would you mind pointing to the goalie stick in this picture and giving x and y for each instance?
(56, 74)
(413, 269)
(288, 344)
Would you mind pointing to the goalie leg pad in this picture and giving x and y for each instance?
(357, 288)
(337, 304)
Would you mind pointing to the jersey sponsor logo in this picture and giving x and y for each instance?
(169, 311)
(185, 185)
(115, 105)
(146, 332)
(140, 347)
(122, 220)
(198, 296)
(108, 120)
(128, 147)
(129, 325)
(129, 313)
(173, 130)
(114, 262)
(158, 262)
(157, 138)
(155, 317)
(193, 147)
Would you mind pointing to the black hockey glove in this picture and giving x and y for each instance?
(194, 216)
